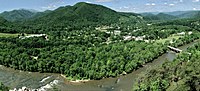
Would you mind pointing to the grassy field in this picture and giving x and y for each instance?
(169, 39)
(12, 35)
(8, 35)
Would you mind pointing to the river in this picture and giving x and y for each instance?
(18, 79)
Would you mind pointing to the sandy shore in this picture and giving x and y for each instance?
(75, 81)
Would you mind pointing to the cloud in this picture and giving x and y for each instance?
(195, 1)
(196, 8)
(104, 0)
(88, 2)
(150, 4)
(171, 4)
(126, 7)
(153, 4)
(181, 1)
(49, 7)
(53, 5)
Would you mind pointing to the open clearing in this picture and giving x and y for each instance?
(8, 35)
(169, 39)
(14, 34)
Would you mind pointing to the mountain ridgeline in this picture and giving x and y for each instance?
(89, 14)
(171, 15)
(185, 14)
(160, 16)
(76, 17)
(81, 14)
(85, 14)
(18, 15)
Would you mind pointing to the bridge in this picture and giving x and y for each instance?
(175, 49)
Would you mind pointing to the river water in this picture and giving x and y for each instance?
(18, 79)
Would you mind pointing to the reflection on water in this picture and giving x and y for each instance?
(171, 55)
(18, 79)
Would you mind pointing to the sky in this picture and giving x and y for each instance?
(136, 6)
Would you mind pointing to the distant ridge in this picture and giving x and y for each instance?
(160, 16)
(175, 14)
(18, 15)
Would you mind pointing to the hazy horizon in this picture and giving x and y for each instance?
(118, 5)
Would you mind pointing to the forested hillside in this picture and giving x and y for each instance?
(160, 16)
(7, 27)
(88, 41)
(80, 15)
(170, 15)
(180, 75)
(190, 14)
(3, 22)
(17, 15)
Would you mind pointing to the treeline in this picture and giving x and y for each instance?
(78, 62)
(184, 40)
(79, 50)
(85, 53)
(182, 74)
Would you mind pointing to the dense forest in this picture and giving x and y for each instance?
(77, 61)
(17, 15)
(92, 44)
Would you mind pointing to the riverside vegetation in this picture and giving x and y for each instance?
(180, 75)
(3, 87)
(89, 45)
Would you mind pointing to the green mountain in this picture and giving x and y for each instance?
(5, 26)
(177, 13)
(160, 16)
(81, 14)
(189, 14)
(40, 14)
(163, 16)
(3, 22)
(76, 17)
(184, 14)
(171, 15)
(147, 14)
(18, 15)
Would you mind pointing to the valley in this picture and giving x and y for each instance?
(87, 47)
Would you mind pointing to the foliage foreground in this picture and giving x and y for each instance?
(182, 74)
